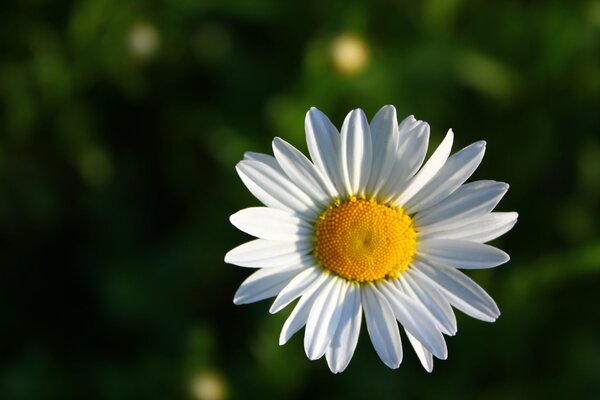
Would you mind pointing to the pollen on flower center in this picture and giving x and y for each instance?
(362, 240)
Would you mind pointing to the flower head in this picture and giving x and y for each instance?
(367, 228)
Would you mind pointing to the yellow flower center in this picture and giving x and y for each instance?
(362, 240)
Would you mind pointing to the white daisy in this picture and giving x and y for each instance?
(366, 228)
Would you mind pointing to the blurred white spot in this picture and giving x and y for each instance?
(350, 54)
(143, 41)
(208, 385)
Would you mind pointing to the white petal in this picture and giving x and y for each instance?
(299, 315)
(384, 133)
(297, 287)
(271, 223)
(462, 292)
(461, 253)
(324, 144)
(274, 189)
(263, 158)
(302, 172)
(431, 167)
(424, 355)
(457, 169)
(433, 300)
(262, 253)
(382, 326)
(265, 283)
(324, 317)
(471, 200)
(480, 229)
(408, 124)
(412, 147)
(342, 346)
(356, 152)
(415, 318)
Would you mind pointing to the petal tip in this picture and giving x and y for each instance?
(336, 368)
(421, 128)
(277, 306)
(228, 257)
(313, 114)
(481, 143)
(444, 354)
(394, 365)
(388, 108)
(234, 218)
(493, 317)
(357, 113)
(248, 155)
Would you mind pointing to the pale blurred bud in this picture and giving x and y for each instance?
(208, 385)
(143, 41)
(350, 54)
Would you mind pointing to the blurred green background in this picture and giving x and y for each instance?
(121, 123)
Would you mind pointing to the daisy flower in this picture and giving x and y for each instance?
(364, 227)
